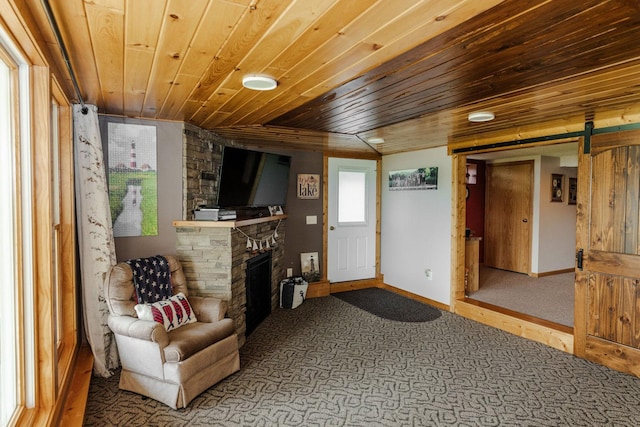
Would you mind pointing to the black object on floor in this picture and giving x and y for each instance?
(389, 305)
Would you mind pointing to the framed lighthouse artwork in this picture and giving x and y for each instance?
(133, 179)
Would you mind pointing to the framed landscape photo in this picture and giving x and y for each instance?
(133, 179)
(557, 187)
(414, 179)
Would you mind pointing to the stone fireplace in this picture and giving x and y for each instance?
(214, 258)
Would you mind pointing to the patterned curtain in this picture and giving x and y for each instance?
(95, 237)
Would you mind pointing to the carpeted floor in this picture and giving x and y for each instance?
(328, 363)
(389, 305)
(547, 297)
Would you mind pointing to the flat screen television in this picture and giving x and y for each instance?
(252, 178)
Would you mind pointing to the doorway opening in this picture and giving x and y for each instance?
(530, 276)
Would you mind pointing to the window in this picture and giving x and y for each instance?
(38, 241)
(352, 190)
(17, 362)
(8, 324)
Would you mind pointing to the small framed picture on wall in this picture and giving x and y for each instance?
(573, 191)
(308, 186)
(557, 187)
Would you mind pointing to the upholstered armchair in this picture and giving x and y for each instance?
(176, 366)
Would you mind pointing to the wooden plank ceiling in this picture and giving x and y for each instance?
(406, 70)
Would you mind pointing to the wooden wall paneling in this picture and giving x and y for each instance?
(581, 290)
(635, 319)
(617, 200)
(246, 34)
(282, 36)
(632, 211)
(613, 263)
(106, 25)
(379, 180)
(624, 115)
(602, 177)
(348, 93)
(627, 303)
(69, 335)
(556, 337)
(610, 289)
(607, 141)
(217, 24)
(72, 20)
(458, 224)
(614, 309)
(139, 51)
(593, 314)
(269, 136)
(355, 59)
(617, 357)
(443, 75)
(181, 19)
(482, 141)
(418, 22)
(46, 370)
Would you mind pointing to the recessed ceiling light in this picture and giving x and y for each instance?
(375, 140)
(255, 82)
(481, 116)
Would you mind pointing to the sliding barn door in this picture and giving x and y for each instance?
(508, 205)
(607, 322)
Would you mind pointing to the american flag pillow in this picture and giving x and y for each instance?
(172, 313)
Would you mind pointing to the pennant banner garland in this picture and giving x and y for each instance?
(267, 243)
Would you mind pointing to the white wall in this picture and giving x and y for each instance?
(557, 235)
(416, 228)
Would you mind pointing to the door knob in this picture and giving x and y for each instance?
(332, 228)
(525, 220)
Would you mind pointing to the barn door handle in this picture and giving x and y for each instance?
(579, 256)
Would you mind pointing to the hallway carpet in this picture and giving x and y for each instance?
(547, 297)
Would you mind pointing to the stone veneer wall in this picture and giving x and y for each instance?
(214, 263)
(202, 155)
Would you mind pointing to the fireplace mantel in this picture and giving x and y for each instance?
(228, 223)
(213, 255)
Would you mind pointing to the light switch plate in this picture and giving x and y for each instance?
(312, 219)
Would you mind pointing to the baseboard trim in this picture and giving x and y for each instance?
(549, 333)
(415, 297)
(551, 273)
(353, 285)
(318, 289)
(76, 401)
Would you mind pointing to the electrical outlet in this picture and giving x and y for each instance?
(289, 272)
(428, 273)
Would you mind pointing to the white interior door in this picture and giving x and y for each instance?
(352, 219)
